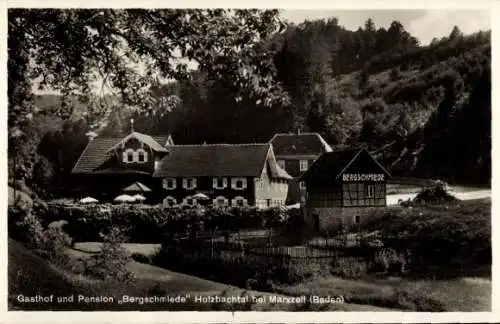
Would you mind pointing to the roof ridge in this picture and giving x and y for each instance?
(297, 134)
(222, 144)
(119, 136)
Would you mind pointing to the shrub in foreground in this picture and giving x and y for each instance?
(111, 262)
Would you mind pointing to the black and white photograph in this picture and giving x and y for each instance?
(249, 160)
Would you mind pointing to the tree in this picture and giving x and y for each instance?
(364, 79)
(395, 74)
(455, 33)
(70, 50)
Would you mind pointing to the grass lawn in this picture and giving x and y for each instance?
(94, 247)
(30, 275)
(460, 295)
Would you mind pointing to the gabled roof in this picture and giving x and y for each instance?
(331, 165)
(96, 154)
(299, 144)
(136, 187)
(212, 160)
(277, 171)
(146, 139)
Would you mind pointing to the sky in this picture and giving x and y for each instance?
(423, 24)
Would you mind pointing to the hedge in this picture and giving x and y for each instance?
(151, 224)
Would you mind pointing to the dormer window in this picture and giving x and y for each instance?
(128, 156)
(141, 157)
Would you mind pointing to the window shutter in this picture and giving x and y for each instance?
(184, 183)
(214, 183)
(194, 183)
(224, 181)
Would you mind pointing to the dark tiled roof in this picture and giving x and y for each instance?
(304, 143)
(95, 154)
(332, 164)
(244, 160)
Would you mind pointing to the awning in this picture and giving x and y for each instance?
(137, 187)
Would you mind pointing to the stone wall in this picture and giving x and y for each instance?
(333, 218)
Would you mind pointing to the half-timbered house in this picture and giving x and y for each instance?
(340, 185)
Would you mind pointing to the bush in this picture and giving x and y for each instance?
(389, 260)
(350, 267)
(450, 239)
(246, 270)
(56, 245)
(151, 224)
(435, 194)
(50, 243)
(111, 262)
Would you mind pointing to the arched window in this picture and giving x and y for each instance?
(128, 156)
(142, 155)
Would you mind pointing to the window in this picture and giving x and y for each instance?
(141, 155)
(220, 201)
(357, 219)
(302, 185)
(304, 165)
(189, 201)
(219, 183)
(169, 201)
(370, 191)
(239, 183)
(189, 183)
(128, 156)
(239, 201)
(169, 183)
(281, 163)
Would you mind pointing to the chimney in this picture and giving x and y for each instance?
(131, 125)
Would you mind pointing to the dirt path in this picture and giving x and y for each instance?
(462, 195)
